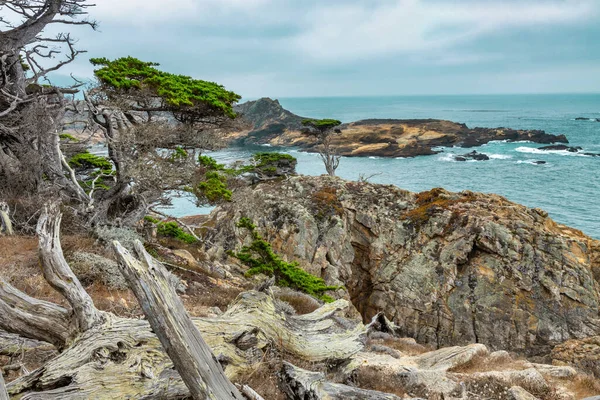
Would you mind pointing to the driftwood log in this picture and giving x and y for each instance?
(102, 354)
(300, 384)
(197, 366)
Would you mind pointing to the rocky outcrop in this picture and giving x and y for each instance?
(267, 118)
(562, 147)
(447, 268)
(584, 354)
(273, 125)
(474, 156)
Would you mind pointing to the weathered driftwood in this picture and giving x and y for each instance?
(300, 384)
(5, 223)
(250, 393)
(192, 357)
(3, 392)
(104, 354)
(13, 345)
(124, 356)
(32, 318)
(58, 273)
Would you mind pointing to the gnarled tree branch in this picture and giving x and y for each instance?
(59, 275)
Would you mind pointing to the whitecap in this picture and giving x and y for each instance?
(533, 150)
(266, 145)
(530, 162)
(447, 158)
(498, 156)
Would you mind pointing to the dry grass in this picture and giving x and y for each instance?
(263, 379)
(583, 386)
(406, 346)
(371, 379)
(481, 363)
(302, 303)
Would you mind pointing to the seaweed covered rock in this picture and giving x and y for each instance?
(447, 268)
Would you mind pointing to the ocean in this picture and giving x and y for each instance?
(567, 186)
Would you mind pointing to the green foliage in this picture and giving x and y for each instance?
(91, 161)
(24, 64)
(172, 229)
(267, 159)
(214, 188)
(178, 154)
(151, 219)
(322, 124)
(261, 259)
(177, 91)
(210, 163)
(68, 137)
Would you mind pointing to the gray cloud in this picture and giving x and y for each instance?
(354, 47)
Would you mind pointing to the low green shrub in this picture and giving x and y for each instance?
(91, 161)
(261, 259)
(173, 230)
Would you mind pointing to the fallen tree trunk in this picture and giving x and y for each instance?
(124, 356)
(300, 384)
(193, 359)
(104, 355)
(31, 318)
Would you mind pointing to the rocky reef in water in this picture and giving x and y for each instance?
(270, 123)
(446, 268)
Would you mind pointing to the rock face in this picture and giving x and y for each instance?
(272, 124)
(584, 354)
(447, 268)
(267, 119)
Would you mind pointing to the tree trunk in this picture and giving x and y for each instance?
(32, 318)
(5, 223)
(192, 357)
(58, 273)
(299, 384)
(3, 392)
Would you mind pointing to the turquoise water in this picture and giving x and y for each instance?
(568, 186)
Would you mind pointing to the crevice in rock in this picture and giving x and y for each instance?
(361, 287)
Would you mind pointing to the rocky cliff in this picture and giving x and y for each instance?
(447, 268)
(272, 124)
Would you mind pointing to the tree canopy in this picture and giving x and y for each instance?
(177, 92)
(321, 124)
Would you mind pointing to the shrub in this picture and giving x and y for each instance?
(68, 137)
(107, 234)
(173, 230)
(91, 268)
(214, 188)
(91, 161)
(261, 259)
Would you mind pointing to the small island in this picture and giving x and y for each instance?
(267, 122)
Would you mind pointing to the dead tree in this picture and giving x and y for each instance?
(102, 354)
(31, 160)
(192, 357)
(300, 384)
(324, 130)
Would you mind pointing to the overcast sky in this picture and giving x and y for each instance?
(290, 48)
